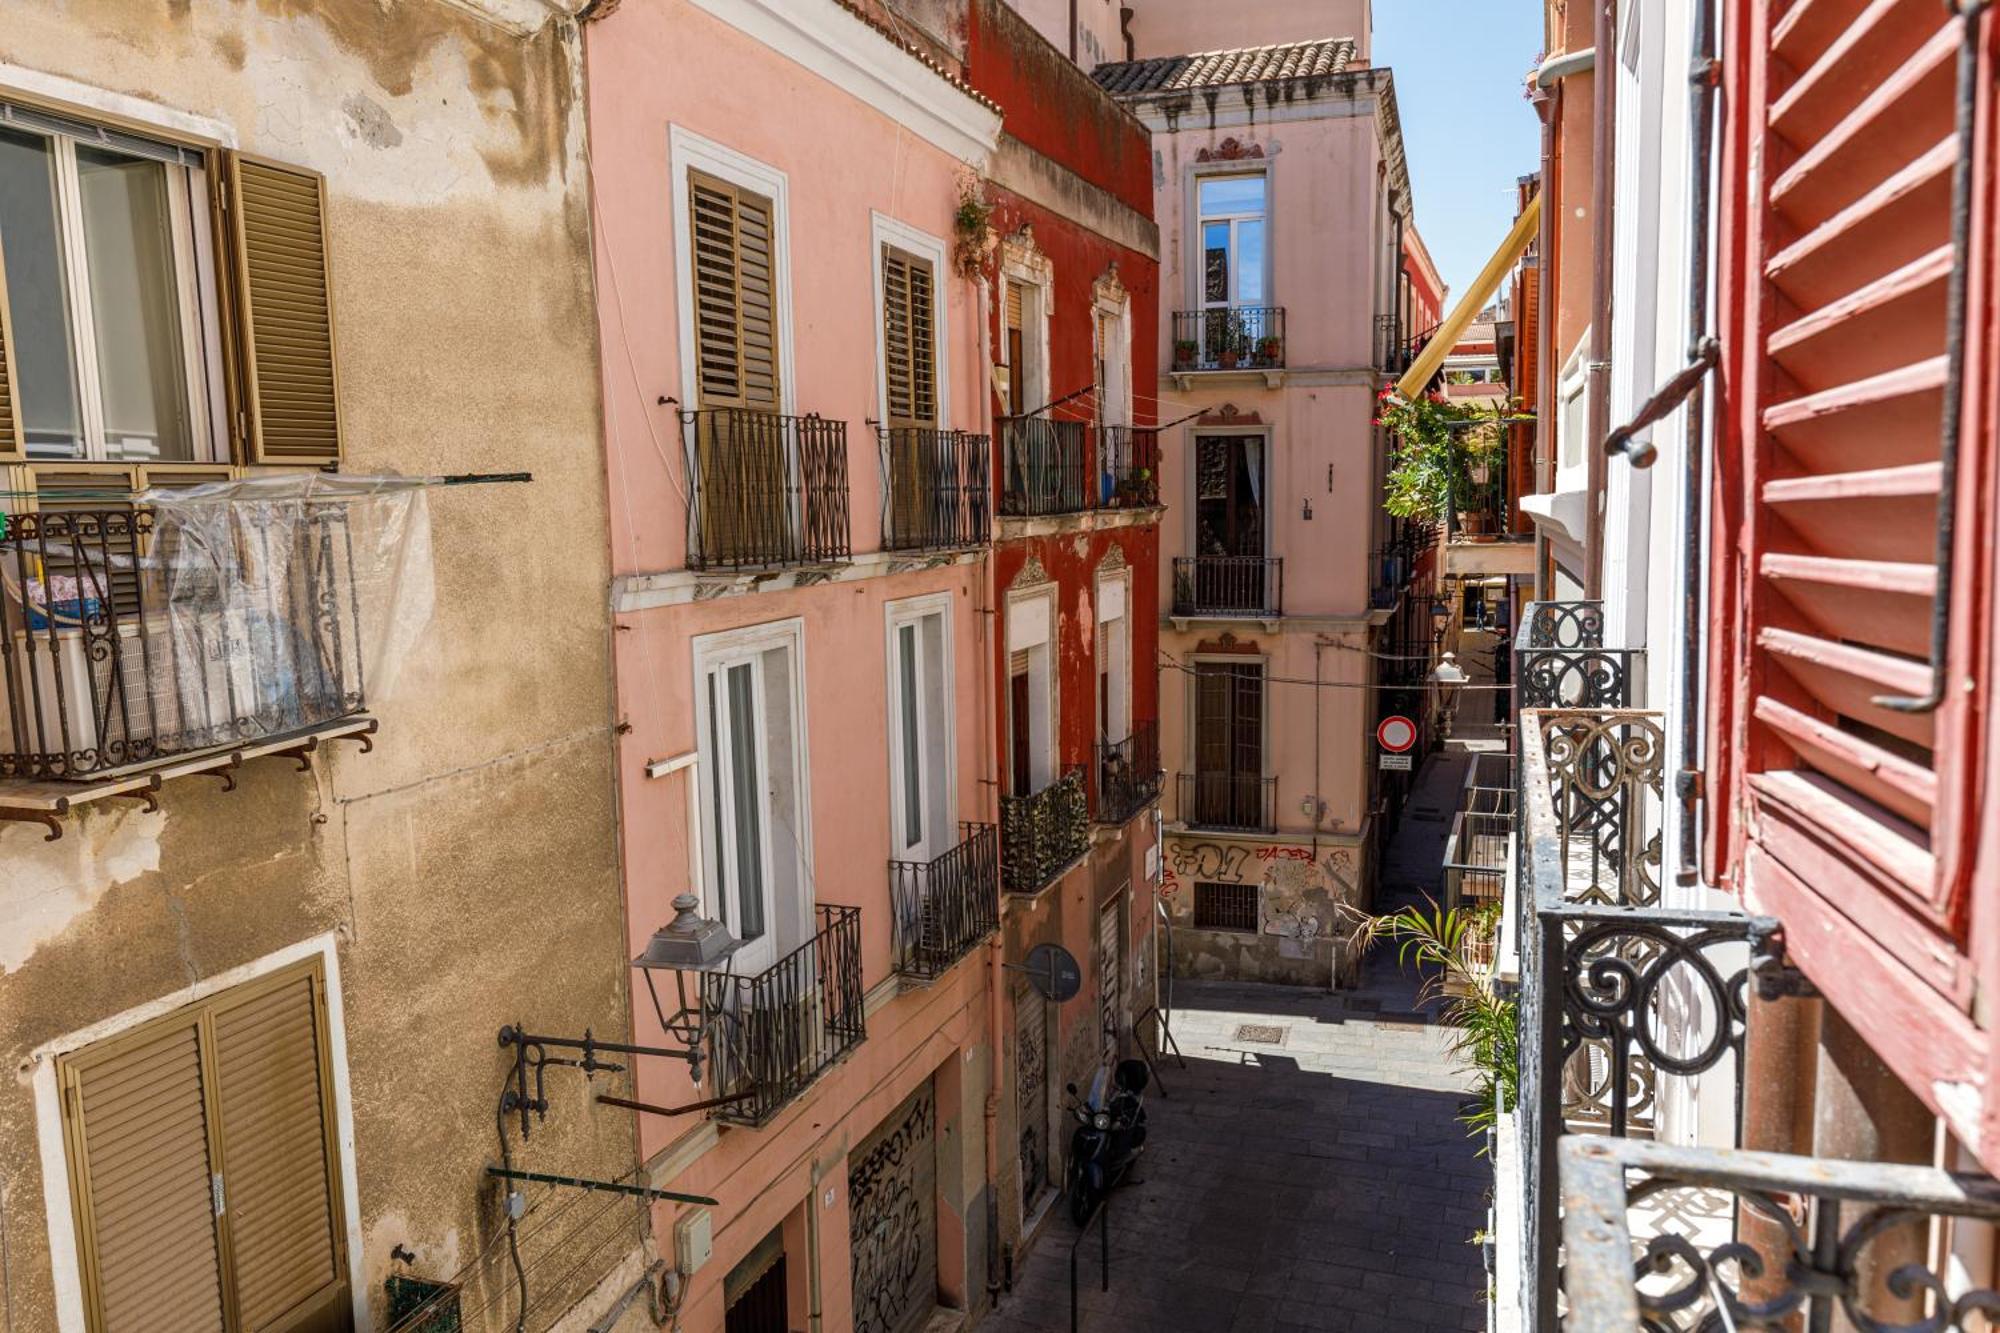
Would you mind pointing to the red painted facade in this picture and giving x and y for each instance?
(1871, 832)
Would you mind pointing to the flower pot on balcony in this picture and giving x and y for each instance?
(1184, 354)
(1228, 360)
(1271, 352)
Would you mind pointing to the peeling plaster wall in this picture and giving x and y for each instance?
(1301, 893)
(466, 866)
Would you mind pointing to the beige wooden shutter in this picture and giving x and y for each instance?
(13, 445)
(271, 1101)
(735, 295)
(923, 342)
(138, 1131)
(897, 371)
(285, 389)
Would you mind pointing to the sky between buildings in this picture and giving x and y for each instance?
(1460, 66)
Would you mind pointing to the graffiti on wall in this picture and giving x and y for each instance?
(1304, 904)
(892, 1219)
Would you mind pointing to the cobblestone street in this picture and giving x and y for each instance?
(1316, 1181)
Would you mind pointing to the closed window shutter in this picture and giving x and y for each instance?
(1016, 299)
(735, 295)
(909, 332)
(139, 1145)
(283, 1251)
(12, 446)
(1853, 251)
(286, 391)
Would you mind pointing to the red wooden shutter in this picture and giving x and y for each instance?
(1847, 815)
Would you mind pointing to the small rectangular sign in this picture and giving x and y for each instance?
(1396, 761)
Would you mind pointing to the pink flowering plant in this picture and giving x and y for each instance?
(1434, 445)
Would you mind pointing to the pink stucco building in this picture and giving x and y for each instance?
(1283, 204)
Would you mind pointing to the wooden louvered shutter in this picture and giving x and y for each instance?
(285, 390)
(735, 295)
(13, 446)
(1841, 336)
(139, 1144)
(284, 1246)
(909, 332)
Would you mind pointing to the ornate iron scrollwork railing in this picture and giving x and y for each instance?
(1617, 994)
(1560, 660)
(776, 1032)
(1043, 834)
(1828, 1246)
(115, 654)
(946, 906)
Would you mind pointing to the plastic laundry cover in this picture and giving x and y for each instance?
(281, 602)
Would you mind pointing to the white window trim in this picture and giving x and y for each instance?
(65, 1265)
(688, 151)
(1044, 761)
(1121, 670)
(887, 231)
(1191, 206)
(914, 611)
(709, 651)
(1118, 309)
(1033, 270)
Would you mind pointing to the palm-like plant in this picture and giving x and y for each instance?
(1485, 1036)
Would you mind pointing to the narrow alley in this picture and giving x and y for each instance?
(1306, 1169)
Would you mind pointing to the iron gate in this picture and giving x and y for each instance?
(892, 1219)
(1111, 977)
(1031, 1061)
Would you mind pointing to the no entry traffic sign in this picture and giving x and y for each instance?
(1396, 733)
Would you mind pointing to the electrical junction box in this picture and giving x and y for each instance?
(694, 1240)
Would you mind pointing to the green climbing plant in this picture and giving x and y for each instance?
(1436, 445)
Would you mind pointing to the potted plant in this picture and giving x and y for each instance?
(1454, 948)
(1184, 349)
(1438, 444)
(1235, 340)
(1270, 351)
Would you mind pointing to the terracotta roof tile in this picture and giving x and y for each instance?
(1213, 69)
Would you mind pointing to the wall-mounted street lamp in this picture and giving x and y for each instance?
(689, 944)
(1450, 678)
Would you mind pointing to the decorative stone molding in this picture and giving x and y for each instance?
(1031, 575)
(1114, 560)
(1021, 257)
(1231, 150)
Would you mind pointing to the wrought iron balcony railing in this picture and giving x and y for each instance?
(1044, 834)
(1230, 338)
(1560, 660)
(1045, 467)
(1481, 505)
(1129, 776)
(946, 906)
(1229, 802)
(1478, 848)
(1229, 585)
(114, 657)
(778, 1031)
(764, 489)
(937, 489)
(1128, 467)
(1393, 352)
(1837, 1244)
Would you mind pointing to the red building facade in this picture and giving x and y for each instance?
(1072, 260)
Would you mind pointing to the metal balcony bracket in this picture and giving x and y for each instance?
(148, 796)
(529, 1094)
(585, 1183)
(1776, 978)
(50, 820)
(705, 1104)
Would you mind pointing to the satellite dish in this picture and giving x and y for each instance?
(1052, 970)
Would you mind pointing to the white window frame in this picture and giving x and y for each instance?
(1114, 603)
(1037, 276)
(1114, 398)
(783, 920)
(911, 613)
(65, 1265)
(1031, 628)
(1197, 292)
(886, 232)
(195, 288)
(686, 152)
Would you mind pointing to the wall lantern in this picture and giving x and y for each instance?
(1450, 678)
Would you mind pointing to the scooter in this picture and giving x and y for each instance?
(1110, 1134)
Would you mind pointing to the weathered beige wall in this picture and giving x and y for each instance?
(468, 863)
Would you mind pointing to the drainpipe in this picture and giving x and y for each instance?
(996, 948)
(816, 1319)
(1603, 126)
(1549, 100)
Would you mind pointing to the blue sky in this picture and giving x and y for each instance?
(1467, 132)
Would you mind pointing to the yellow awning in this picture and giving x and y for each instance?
(1474, 301)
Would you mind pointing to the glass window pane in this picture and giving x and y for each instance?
(1250, 262)
(134, 304)
(1215, 261)
(746, 803)
(1226, 195)
(913, 759)
(38, 303)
